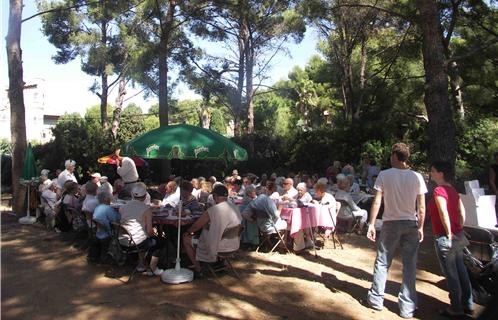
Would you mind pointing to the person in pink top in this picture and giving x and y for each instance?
(447, 216)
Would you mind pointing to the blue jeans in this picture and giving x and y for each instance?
(450, 256)
(405, 234)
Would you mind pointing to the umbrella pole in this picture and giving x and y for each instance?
(178, 274)
(27, 206)
(177, 265)
(27, 219)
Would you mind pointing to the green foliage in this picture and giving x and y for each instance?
(84, 140)
(186, 111)
(5, 146)
(151, 123)
(272, 115)
(218, 123)
(477, 141)
(377, 151)
(152, 119)
(132, 124)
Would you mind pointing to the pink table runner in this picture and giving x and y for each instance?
(318, 216)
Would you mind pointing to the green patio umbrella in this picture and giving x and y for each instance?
(27, 178)
(29, 168)
(184, 142)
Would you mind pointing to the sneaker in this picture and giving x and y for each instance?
(141, 269)
(156, 272)
(371, 306)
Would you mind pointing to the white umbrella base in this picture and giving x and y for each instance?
(27, 220)
(174, 276)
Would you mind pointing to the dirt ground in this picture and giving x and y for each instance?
(43, 276)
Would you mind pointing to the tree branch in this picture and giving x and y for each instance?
(60, 9)
(471, 53)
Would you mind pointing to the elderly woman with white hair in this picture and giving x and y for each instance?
(67, 174)
(303, 196)
(44, 180)
(349, 208)
(49, 199)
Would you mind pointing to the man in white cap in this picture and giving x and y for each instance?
(96, 178)
(136, 218)
(105, 185)
(127, 170)
(67, 174)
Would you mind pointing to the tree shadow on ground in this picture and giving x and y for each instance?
(45, 277)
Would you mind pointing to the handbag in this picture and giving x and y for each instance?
(116, 253)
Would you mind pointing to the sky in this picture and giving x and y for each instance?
(66, 86)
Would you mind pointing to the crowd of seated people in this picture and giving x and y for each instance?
(252, 201)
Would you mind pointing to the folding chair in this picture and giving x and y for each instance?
(267, 237)
(352, 221)
(335, 237)
(47, 221)
(132, 248)
(224, 258)
(91, 224)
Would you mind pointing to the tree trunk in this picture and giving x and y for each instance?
(166, 30)
(105, 89)
(163, 85)
(250, 94)
(456, 89)
(103, 101)
(205, 115)
(116, 115)
(243, 35)
(163, 63)
(249, 88)
(363, 67)
(16, 99)
(440, 114)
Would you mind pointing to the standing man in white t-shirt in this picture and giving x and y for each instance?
(403, 191)
(127, 170)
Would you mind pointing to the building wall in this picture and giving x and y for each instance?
(34, 103)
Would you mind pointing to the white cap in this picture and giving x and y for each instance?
(95, 175)
(340, 176)
(45, 172)
(139, 190)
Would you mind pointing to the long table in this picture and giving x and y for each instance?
(310, 216)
